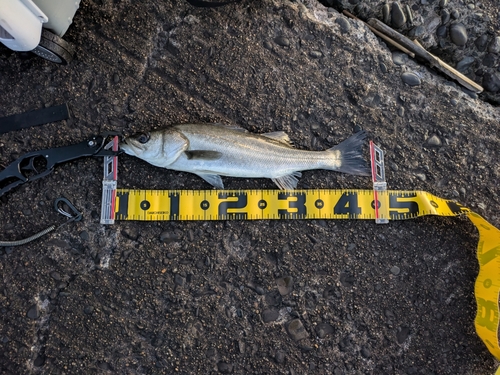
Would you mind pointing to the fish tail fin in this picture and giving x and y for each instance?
(348, 156)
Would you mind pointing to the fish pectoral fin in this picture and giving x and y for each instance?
(288, 182)
(279, 136)
(203, 155)
(174, 144)
(212, 179)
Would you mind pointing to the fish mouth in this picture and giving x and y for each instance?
(124, 146)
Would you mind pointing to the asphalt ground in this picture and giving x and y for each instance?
(288, 296)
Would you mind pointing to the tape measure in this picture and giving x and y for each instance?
(378, 204)
(153, 205)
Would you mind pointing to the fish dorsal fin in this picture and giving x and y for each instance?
(212, 179)
(288, 182)
(279, 136)
(231, 127)
(203, 155)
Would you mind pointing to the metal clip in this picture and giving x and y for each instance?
(59, 206)
(380, 196)
(109, 183)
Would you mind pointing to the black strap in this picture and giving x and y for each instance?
(209, 4)
(34, 118)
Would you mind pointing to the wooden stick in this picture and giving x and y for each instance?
(420, 51)
(382, 35)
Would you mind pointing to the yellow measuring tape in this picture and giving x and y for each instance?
(327, 204)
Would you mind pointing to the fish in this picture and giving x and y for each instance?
(214, 150)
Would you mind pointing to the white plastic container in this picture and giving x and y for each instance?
(20, 24)
(21, 21)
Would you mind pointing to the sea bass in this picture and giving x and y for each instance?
(214, 150)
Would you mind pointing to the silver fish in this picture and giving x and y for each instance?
(214, 150)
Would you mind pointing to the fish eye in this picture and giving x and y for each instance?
(143, 138)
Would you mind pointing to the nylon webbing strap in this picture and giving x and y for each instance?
(34, 118)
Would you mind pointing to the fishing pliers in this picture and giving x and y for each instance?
(38, 164)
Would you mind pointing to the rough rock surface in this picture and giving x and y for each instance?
(211, 297)
(454, 30)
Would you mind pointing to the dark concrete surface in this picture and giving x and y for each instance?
(277, 297)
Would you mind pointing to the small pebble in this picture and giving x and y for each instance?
(268, 45)
(315, 54)
(282, 41)
(324, 329)
(386, 14)
(433, 24)
(442, 31)
(365, 352)
(481, 43)
(491, 82)
(401, 111)
(33, 312)
(421, 176)
(494, 46)
(270, 315)
(409, 13)
(411, 79)
(383, 67)
(458, 34)
(280, 356)
(116, 78)
(443, 3)
(130, 233)
(296, 330)
(399, 58)
(84, 235)
(224, 367)
(434, 141)
(168, 236)
(417, 31)
(455, 14)
(489, 60)
(398, 18)
(39, 361)
(445, 16)
(344, 24)
(465, 63)
(454, 102)
(179, 280)
(285, 285)
(395, 270)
